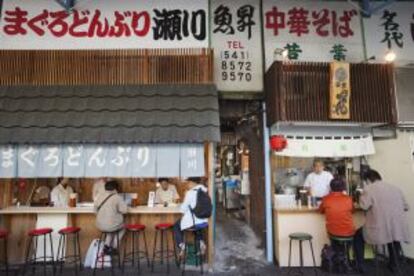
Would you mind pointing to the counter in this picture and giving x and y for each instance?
(19, 220)
(309, 220)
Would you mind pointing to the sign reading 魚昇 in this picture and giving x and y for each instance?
(236, 39)
(340, 91)
(312, 30)
(391, 28)
(105, 24)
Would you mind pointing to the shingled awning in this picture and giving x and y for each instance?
(109, 114)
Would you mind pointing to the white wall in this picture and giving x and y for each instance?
(394, 161)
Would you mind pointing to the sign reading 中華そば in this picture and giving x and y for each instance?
(312, 30)
(236, 39)
(104, 24)
(391, 28)
(340, 91)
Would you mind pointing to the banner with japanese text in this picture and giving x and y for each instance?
(236, 37)
(104, 24)
(164, 160)
(312, 31)
(391, 28)
(339, 91)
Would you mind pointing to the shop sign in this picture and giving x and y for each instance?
(339, 91)
(312, 31)
(105, 24)
(100, 160)
(237, 41)
(391, 28)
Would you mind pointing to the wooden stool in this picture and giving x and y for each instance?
(102, 240)
(196, 232)
(32, 259)
(5, 263)
(163, 229)
(301, 237)
(61, 254)
(135, 231)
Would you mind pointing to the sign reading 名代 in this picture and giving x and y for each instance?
(312, 30)
(237, 42)
(104, 24)
(340, 91)
(391, 28)
(142, 160)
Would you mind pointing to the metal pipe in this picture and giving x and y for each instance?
(268, 189)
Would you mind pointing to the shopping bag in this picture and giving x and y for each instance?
(103, 260)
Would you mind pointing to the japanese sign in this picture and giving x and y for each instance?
(236, 39)
(105, 24)
(312, 30)
(100, 160)
(340, 91)
(391, 28)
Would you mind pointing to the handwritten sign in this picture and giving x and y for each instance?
(312, 30)
(105, 24)
(236, 39)
(162, 160)
(340, 91)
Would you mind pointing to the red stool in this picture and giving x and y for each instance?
(163, 229)
(135, 231)
(31, 254)
(75, 258)
(3, 236)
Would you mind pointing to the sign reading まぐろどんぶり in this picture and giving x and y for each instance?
(105, 24)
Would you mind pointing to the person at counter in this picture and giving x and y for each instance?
(385, 223)
(60, 194)
(166, 193)
(338, 209)
(109, 209)
(189, 219)
(98, 188)
(318, 181)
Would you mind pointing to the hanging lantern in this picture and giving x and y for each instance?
(278, 142)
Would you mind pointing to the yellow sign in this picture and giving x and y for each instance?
(340, 91)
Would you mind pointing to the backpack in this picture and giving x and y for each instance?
(327, 258)
(203, 207)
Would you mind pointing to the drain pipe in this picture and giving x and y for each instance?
(268, 189)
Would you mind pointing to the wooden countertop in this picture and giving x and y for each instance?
(86, 210)
(296, 210)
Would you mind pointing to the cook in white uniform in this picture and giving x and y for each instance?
(60, 194)
(167, 193)
(98, 188)
(318, 181)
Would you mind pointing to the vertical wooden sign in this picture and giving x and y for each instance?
(340, 91)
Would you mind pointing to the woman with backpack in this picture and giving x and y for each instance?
(196, 209)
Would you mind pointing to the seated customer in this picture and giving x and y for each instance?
(166, 193)
(338, 208)
(189, 219)
(110, 208)
(386, 222)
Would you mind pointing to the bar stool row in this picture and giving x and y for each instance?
(38, 237)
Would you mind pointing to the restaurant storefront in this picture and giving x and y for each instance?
(134, 133)
(304, 126)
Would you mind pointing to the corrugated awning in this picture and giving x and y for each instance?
(109, 114)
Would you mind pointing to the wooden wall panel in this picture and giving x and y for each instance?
(106, 67)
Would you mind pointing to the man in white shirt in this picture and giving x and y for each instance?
(60, 194)
(166, 193)
(318, 181)
(188, 219)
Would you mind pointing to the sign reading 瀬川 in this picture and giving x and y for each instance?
(391, 28)
(237, 42)
(104, 24)
(312, 31)
(339, 91)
